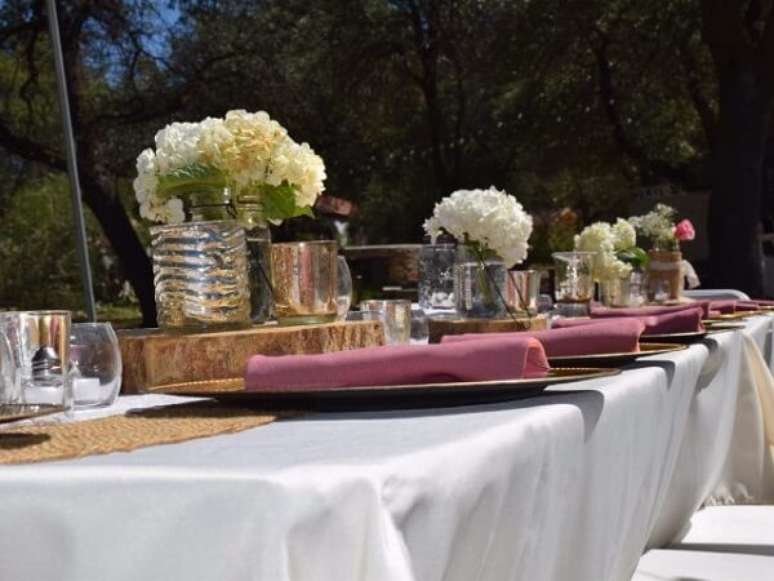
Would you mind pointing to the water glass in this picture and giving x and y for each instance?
(436, 276)
(395, 316)
(420, 327)
(344, 289)
(95, 365)
(39, 344)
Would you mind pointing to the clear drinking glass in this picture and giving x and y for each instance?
(40, 348)
(436, 276)
(344, 289)
(95, 365)
(395, 316)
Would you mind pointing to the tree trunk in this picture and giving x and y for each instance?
(735, 204)
(118, 229)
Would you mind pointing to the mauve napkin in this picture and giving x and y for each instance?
(485, 360)
(745, 306)
(598, 312)
(620, 336)
(727, 307)
(683, 321)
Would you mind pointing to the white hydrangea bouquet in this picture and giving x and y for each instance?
(494, 229)
(242, 153)
(489, 222)
(617, 253)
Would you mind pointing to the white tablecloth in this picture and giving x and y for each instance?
(571, 485)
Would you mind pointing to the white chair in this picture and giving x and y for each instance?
(724, 543)
(719, 294)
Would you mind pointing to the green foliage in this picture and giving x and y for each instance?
(191, 178)
(38, 256)
(636, 256)
(279, 203)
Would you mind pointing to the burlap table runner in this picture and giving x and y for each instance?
(137, 429)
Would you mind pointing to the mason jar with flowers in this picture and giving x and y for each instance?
(666, 276)
(492, 231)
(618, 261)
(243, 168)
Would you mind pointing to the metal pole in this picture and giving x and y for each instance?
(72, 162)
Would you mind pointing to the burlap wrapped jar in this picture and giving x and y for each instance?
(665, 271)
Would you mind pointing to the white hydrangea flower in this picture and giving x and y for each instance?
(250, 149)
(624, 235)
(491, 217)
(601, 237)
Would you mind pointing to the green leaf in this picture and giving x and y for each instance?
(279, 203)
(191, 178)
(635, 256)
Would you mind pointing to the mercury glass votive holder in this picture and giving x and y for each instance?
(200, 272)
(39, 343)
(305, 282)
(521, 291)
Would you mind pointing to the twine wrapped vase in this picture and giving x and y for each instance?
(665, 273)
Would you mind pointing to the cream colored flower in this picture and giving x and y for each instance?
(491, 217)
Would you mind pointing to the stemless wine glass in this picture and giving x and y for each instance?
(95, 361)
(343, 289)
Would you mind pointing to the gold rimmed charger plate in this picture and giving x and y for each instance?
(741, 315)
(715, 325)
(232, 391)
(23, 411)
(617, 359)
(683, 338)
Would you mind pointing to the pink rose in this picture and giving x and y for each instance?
(684, 231)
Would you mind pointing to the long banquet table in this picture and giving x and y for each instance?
(573, 484)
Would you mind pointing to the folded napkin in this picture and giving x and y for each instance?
(745, 306)
(723, 307)
(605, 336)
(682, 321)
(761, 302)
(600, 312)
(485, 360)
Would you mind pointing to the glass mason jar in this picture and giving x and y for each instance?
(436, 276)
(665, 274)
(622, 292)
(247, 211)
(250, 217)
(200, 275)
(479, 286)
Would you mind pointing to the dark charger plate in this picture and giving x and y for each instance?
(11, 412)
(616, 359)
(232, 391)
(683, 338)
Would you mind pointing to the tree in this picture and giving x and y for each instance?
(740, 36)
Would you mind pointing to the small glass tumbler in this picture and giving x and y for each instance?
(395, 316)
(95, 365)
(40, 348)
(344, 289)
